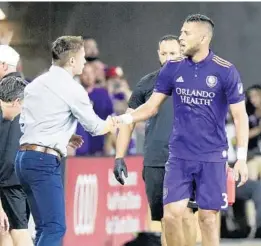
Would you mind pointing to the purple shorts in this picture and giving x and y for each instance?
(207, 180)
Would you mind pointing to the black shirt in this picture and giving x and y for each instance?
(253, 122)
(10, 135)
(158, 128)
(15, 74)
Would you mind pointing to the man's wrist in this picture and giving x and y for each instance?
(242, 153)
(126, 118)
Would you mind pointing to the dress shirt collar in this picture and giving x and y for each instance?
(60, 70)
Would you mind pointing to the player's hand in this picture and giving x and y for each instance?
(122, 119)
(111, 125)
(119, 168)
(4, 222)
(75, 141)
(241, 169)
(116, 121)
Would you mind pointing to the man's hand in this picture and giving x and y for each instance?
(120, 167)
(122, 119)
(4, 222)
(241, 169)
(111, 125)
(75, 141)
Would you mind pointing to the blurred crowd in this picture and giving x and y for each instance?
(109, 93)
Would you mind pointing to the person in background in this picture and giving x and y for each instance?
(116, 83)
(250, 191)
(102, 105)
(9, 59)
(91, 49)
(92, 57)
(16, 207)
(6, 36)
(254, 115)
(13, 197)
(120, 93)
(99, 70)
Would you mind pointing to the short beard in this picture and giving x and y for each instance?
(191, 52)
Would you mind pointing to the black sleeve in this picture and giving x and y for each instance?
(138, 97)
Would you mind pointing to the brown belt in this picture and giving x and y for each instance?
(39, 148)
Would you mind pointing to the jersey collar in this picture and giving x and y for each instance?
(203, 62)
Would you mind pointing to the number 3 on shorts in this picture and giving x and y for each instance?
(224, 195)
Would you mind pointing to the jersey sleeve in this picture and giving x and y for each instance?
(137, 97)
(164, 83)
(234, 87)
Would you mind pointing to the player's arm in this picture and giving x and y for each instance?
(163, 88)
(122, 144)
(236, 98)
(124, 135)
(150, 108)
(238, 111)
(110, 138)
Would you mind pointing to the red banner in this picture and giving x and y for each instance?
(100, 211)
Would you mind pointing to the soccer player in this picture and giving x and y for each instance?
(157, 133)
(204, 86)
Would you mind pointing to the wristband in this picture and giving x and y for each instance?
(126, 118)
(241, 153)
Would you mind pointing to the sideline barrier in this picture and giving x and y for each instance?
(100, 211)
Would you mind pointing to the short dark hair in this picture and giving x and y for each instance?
(254, 87)
(12, 88)
(168, 38)
(87, 38)
(200, 18)
(64, 47)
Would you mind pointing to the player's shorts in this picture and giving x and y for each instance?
(15, 205)
(154, 179)
(209, 179)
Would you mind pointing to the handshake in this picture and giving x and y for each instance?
(114, 122)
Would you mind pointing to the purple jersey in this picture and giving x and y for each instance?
(102, 106)
(202, 93)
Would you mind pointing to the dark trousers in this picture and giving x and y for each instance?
(251, 190)
(40, 176)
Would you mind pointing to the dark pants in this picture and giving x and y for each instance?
(251, 190)
(40, 176)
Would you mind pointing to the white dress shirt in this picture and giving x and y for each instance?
(53, 103)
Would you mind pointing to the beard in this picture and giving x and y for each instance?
(191, 51)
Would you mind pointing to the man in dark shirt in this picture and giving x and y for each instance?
(157, 133)
(13, 198)
(254, 116)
